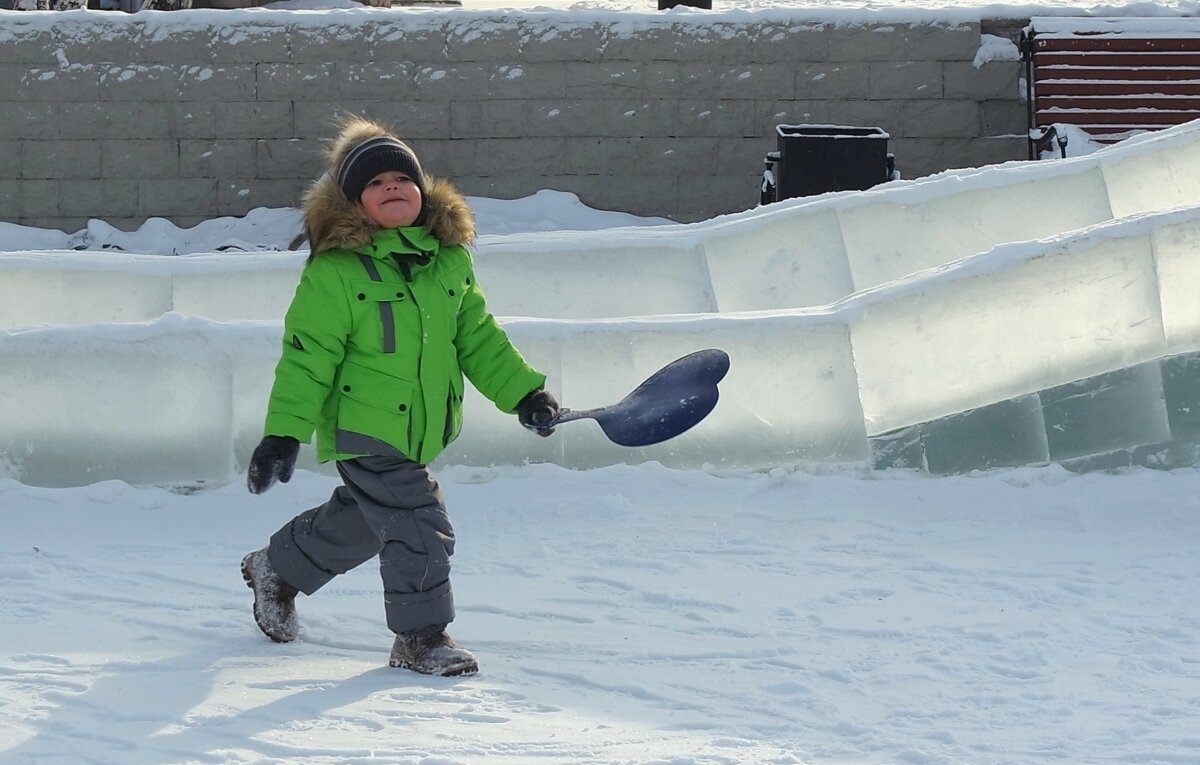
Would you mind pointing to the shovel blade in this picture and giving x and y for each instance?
(671, 401)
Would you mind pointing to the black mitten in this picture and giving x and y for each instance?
(536, 411)
(273, 460)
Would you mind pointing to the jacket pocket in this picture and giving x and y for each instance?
(455, 285)
(384, 296)
(367, 291)
(375, 404)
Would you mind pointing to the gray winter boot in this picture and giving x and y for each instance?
(432, 653)
(274, 599)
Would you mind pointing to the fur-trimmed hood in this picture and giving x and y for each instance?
(332, 221)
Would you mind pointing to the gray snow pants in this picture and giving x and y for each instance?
(390, 507)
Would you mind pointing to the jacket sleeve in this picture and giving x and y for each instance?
(314, 342)
(486, 355)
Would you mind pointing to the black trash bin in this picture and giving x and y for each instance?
(814, 159)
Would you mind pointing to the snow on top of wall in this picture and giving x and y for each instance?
(995, 48)
(631, 15)
(1145, 26)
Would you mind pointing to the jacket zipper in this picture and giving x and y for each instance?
(388, 320)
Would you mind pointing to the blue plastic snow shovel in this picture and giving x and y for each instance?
(669, 402)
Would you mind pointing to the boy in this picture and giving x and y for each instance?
(386, 320)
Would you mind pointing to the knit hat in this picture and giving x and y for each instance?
(373, 156)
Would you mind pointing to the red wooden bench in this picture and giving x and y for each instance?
(1111, 77)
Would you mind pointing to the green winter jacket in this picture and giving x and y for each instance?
(373, 357)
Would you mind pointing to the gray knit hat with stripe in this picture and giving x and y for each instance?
(374, 156)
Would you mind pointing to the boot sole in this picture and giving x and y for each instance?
(257, 619)
(454, 671)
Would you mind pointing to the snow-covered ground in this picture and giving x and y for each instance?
(620, 615)
(627, 615)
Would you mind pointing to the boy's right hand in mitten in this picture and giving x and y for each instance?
(536, 411)
(273, 460)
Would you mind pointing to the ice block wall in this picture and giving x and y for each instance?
(182, 400)
(913, 321)
(143, 403)
(1023, 318)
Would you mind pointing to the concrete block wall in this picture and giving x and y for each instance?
(197, 114)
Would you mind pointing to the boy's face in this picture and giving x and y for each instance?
(392, 199)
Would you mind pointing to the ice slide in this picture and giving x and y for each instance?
(851, 319)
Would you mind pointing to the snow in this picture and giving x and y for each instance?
(267, 229)
(839, 11)
(995, 48)
(544, 17)
(626, 615)
(1145, 27)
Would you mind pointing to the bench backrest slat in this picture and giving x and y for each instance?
(1117, 43)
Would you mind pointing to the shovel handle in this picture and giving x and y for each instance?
(567, 415)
